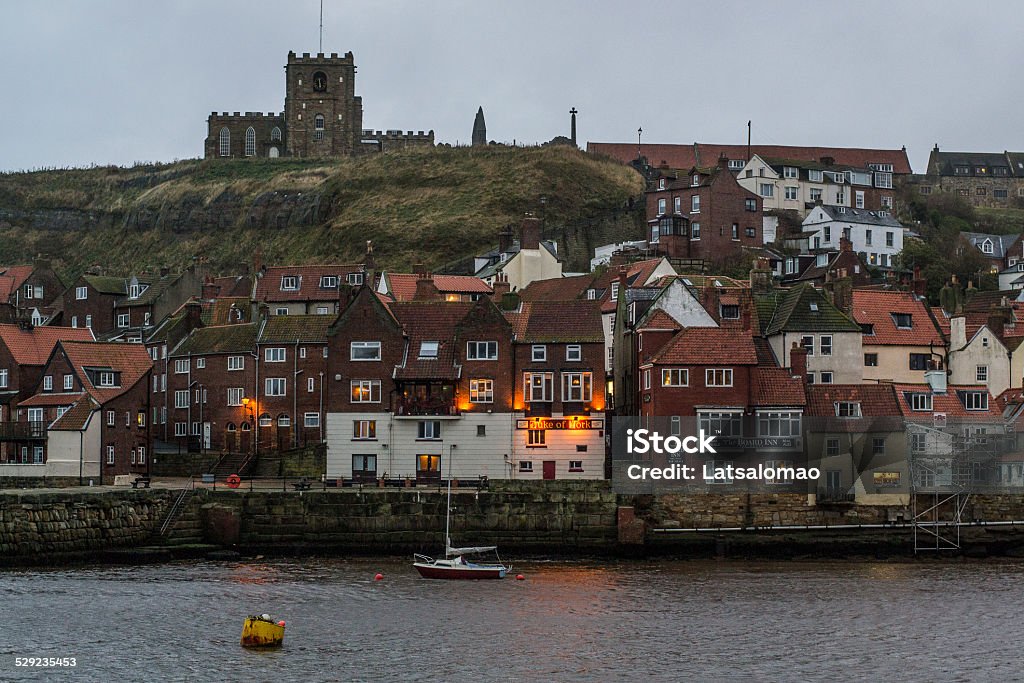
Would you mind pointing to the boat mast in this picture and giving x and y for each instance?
(447, 519)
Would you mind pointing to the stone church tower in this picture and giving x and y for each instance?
(322, 114)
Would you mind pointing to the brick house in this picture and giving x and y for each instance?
(148, 300)
(292, 367)
(24, 351)
(419, 383)
(29, 292)
(94, 414)
(208, 374)
(702, 214)
(305, 290)
(560, 399)
(90, 301)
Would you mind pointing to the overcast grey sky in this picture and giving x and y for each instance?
(115, 81)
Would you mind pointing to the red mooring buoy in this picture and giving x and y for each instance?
(378, 577)
(520, 577)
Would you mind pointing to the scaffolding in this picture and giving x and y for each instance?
(961, 461)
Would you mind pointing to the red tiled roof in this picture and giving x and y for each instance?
(50, 399)
(876, 307)
(707, 346)
(943, 319)
(778, 387)
(268, 287)
(556, 289)
(948, 403)
(686, 156)
(876, 400)
(426, 321)
(556, 322)
(12, 278)
(131, 360)
(402, 286)
(33, 346)
(77, 417)
(660, 320)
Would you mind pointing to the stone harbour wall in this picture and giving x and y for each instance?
(46, 525)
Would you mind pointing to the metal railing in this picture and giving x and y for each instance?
(833, 494)
(19, 431)
(177, 507)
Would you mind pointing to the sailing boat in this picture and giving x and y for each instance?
(454, 564)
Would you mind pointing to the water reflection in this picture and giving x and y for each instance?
(574, 621)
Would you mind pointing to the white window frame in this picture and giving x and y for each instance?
(235, 396)
(275, 354)
(573, 353)
(364, 346)
(539, 353)
(81, 293)
(368, 387)
(311, 420)
(481, 390)
(181, 398)
(275, 386)
(718, 377)
(236, 363)
(538, 387)
(675, 377)
(489, 350)
(582, 393)
(181, 366)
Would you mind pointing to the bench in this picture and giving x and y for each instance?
(142, 482)
(302, 485)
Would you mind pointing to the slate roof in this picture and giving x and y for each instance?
(554, 322)
(707, 346)
(292, 328)
(875, 307)
(945, 163)
(131, 360)
(706, 154)
(268, 286)
(858, 216)
(402, 286)
(220, 339)
(154, 290)
(1000, 243)
(106, 284)
(777, 387)
(430, 321)
(33, 346)
(790, 310)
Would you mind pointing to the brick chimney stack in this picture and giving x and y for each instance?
(193, 315)
(210, 290)
(529, 233)
(500, 288)
(505, 239)
(798, 361)
(426, 290)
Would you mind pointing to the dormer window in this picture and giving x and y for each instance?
(920, 402)
(849, 409)
(615, 291)
(962, 170)
(736, 164)
(428, 349)
(789, 172)
(661, 183)
(903, 321)
(328, 282)
(695, 181)
(289, 283)
(730, 312)
(591, 294)
(135, 291)
(975, 400)
(986, 247)
(354, 279)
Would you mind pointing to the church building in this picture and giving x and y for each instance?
(322, 117)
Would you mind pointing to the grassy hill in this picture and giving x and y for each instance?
(432, 206)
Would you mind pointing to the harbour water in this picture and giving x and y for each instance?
(671, 621)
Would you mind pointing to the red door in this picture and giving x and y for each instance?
(549, 469)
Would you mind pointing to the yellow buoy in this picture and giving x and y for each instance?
(261, 631)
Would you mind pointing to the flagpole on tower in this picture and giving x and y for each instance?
(321, 26)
